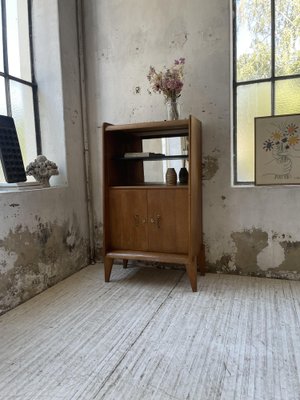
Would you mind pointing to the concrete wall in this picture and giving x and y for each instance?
(44, 232)
(247, 230)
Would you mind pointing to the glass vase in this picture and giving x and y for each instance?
(173, 109)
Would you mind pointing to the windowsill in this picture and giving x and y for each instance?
(252, 185)
(24, 187)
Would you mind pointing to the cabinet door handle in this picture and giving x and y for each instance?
(144, 220)
(158, 219)
(136, 220)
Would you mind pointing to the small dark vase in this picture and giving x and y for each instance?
(183, 176)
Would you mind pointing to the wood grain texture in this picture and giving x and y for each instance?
(195, 176)
(149, 256)
(168, 220)
(128, 219)
(145, 336)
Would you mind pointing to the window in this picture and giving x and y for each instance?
(266, 71)
(18, 90)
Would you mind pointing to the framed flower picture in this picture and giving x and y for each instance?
(277, 150)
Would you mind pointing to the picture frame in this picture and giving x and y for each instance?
(277, 150)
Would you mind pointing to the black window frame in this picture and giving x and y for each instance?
(7, 77)
(272, 80)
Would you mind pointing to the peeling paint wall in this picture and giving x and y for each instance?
(210, 167)
(35, 260)
(247, 230)
(44, 232)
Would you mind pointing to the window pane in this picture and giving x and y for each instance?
(3, 110)
(253, 47)
(18, 39)
(287, 96)
(252, 101)
(22, 112)
(287, 37)
(1, 44)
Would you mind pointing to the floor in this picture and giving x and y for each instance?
(145, 335)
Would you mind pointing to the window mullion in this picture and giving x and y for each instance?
(34, 86)
(4, 36)
(5, 57)
(29, 8)
(273, 57)
(234, 73)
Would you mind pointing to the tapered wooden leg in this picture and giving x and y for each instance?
(108, 263)
(201, 261)
(125, 262)
(191, 270)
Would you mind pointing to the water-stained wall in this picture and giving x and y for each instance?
(247, 230)
(44, 232)
(37, 252)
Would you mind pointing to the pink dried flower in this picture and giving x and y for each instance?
(169, 81)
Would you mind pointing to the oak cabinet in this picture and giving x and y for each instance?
(152, 222)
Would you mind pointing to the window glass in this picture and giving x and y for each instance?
(23, 114)
(3, 110)
(1, 43)
(17, 91)
(287, 37)
(287, 96)
(18, 39)
(253, 101)
(253, 46)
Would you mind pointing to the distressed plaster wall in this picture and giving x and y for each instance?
(247, 230)
(44, 232)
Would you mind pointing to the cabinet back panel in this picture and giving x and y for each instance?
(121, 172)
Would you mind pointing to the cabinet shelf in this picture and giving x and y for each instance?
(150, 185)
(151, 130)
(153, 158)
(148, 256)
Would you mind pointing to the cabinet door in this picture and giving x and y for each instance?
(128, 219)
(168, 220)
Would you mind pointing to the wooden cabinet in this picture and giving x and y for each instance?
(152, 222)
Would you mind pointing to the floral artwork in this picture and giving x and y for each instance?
(277, 150)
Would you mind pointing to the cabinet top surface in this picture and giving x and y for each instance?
(152, 128)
